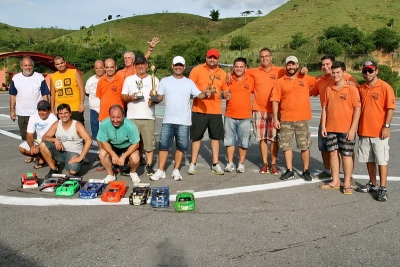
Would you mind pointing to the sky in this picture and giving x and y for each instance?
(72, 14)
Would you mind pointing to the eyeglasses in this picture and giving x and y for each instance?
(368, 70)
(266, 56)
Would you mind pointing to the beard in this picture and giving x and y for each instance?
(292, 71)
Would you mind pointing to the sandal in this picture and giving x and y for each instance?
(28, 160)
(328, 186)
(40, 165)
(348, 191)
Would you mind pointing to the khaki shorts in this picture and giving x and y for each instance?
(299, 129)
(146, 131)
(373, 150)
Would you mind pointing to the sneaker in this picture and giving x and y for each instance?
(217, 169)
(135, 177)
(158, 175)
(306, 175)
(192, 169)
(149, 170)
(287, 175)
(369, 187)
(176, 175)
(126, 171)
(323, 175)
(51, 172)
(229, 167)
(274, 170)
(265, 168)
(109, 178)
(240, 168)
(382, 194)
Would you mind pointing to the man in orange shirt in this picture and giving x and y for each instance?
(339, 121)
(265, 77)
(319, 89)
(129, 58)
(290, 97)
(207, 113)
(238, 114)
(378, 103)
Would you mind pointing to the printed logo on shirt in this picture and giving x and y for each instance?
(392, 101)
(301, 83)
(272, 76)
(114, 88)
(375, 96)
(246, 86)
(343, 96)
(217, 76)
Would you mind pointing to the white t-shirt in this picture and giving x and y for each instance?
(176, 94)
(36, 124)
(90, 89)
(139, 109)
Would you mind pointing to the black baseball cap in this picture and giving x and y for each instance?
(140, 59)
(43, 105)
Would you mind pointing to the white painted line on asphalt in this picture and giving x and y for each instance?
(10, 134)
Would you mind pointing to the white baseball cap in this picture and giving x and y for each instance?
(292, 59)
(177, 60)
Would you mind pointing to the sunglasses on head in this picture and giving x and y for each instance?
(368, 70)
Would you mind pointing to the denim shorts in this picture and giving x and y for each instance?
(322, 145)
(64, 156)
(179, 132)
(240, 129)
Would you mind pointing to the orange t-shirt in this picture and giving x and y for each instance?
(264, 83)
(125, 73)
(200, 75)
(323, 82)
(375, 101)
(109, 94)
(239, 106)
(294, 97)
(340, 106)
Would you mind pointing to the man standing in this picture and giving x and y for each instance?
(39, 124)
(27, 88)
(141, 110)
(119, 141)
(265, 77)
(66, 87)
(290, 97)
(238, 114)
(177, 118)
(339, 121)
(94, 101)
(207, 113)
(129, 58)
(319, 89)
(378, 103)
(66, 141)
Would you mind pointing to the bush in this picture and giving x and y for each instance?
(239, 42)
(389, 76)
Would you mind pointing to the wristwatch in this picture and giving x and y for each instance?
(386, 125)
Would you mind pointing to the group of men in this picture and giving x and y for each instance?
(273, 100)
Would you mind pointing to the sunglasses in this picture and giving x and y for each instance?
(368, 70)
(179, 64)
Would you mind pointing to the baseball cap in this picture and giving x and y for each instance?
(213, 52)
(43, 105)
(178, 60)
(370, 65)
(292, 59)
(140, 59)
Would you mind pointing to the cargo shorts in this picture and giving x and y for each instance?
(288, 130)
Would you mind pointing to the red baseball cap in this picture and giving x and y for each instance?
(213, 52)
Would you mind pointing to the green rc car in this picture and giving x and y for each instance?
(185, 201)
(69, 188)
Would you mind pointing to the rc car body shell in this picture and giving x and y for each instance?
(69, 187)
(115, 192)
(50, 184)
(29, 180)
(92, 189)
(140, 194)
(184, 201)
(160, 197)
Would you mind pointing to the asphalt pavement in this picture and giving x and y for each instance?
(241, 219)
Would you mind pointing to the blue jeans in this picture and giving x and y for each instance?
(94, 123)
(64, 156)
(179, 132)
(237, 128)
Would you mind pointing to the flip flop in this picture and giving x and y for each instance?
(40, 165)
(329, 186)
(348, 191)
(28, 160)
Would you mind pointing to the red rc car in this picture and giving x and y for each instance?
(29, 180)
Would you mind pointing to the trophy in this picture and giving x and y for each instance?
(212, 87)
(139, 85)
(153, 93)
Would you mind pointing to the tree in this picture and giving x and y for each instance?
(388, 75)
(109, 17)
(214, 14)
(386, 39)
(239, 42)
(259, 13)
(330, 47)
(297, 40)
(245, 14)
(82, 28)
(390, 23)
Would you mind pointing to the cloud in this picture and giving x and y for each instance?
(10, 3)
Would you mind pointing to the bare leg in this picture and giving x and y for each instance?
(326, 160)
(242, 154)
(178, 159)
(264, 150)
(47, 156)
(215, 150)
(134, 160)
(288, 154)
(195, 150)
(383, 173)
(230, 151)
(371, 167)
(105, 161)
(149, 157)
(274, 152)
(347, 162)
(334, 162)
(162, 159)
(305, 157)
